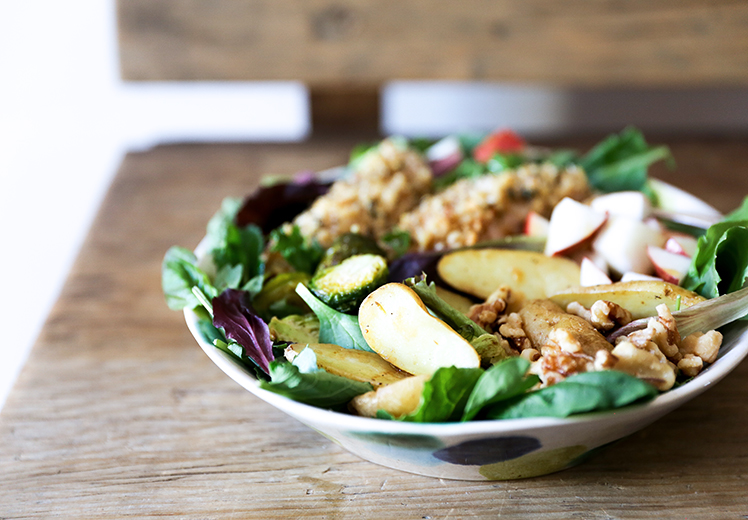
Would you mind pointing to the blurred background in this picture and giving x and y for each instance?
(67, 116)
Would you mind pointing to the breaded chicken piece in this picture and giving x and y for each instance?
(491, 206)
(389, 181)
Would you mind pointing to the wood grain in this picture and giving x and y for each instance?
(118, 413)
(320, 42)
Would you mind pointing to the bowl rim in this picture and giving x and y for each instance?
(727, 361)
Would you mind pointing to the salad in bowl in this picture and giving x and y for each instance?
(473, 307)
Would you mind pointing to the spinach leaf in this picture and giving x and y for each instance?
(334, 327)
(444, 395)
(502, 381)
(302, 254)
(179, 274)
(302, 381)
(398, 241)
(620, 161)
(585, 392)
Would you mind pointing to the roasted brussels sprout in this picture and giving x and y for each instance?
(346, 246)
(344, 286)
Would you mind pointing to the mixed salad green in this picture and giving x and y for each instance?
(243, 309)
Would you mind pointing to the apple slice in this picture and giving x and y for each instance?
(623, 243)
(444, 155)
(681, 245)
(590, 274)
(631, 276)
(656, 225)
(536, 225)
(671, 267)
(632, 204)
(572, 225)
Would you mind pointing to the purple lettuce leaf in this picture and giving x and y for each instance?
(413, 264)
(232, 313)
(270, 206)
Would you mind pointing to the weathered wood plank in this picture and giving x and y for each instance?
(579, 43)
(119, 414)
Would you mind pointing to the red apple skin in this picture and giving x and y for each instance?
(681, 244)
(583, 239)
(536, 225)
(583, 243)
(669, 266)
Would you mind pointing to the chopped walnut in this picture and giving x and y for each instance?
(603, 315)
(690, 365)
(608, 315)
(564, 340)
(604, 360)
(649, 365)
(510, 328)
(488, 313)
(580, 310)
(556, 364)
(662, 337)
(661, 331)
(705, 346)
(530, 354)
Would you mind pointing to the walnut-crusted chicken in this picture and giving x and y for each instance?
(567, 343)
(491, 206)
(389, 181)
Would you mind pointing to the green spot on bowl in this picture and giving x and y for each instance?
(401, 440)
(533, 464)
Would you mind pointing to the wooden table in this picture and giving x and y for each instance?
(119, 414)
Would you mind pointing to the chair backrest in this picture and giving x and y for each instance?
(344, 50)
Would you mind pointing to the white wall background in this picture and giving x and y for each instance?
(66, 120)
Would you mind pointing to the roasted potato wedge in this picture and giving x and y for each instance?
(358, 365)
(397, 326)
(529, 274)
(457, 301)
(397, 399)
(639, 297)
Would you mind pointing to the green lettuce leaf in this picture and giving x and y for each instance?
(179, 274)
(720, 264)
(236, 251)
(580, 393)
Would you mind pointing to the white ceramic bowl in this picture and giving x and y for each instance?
(489, 450)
